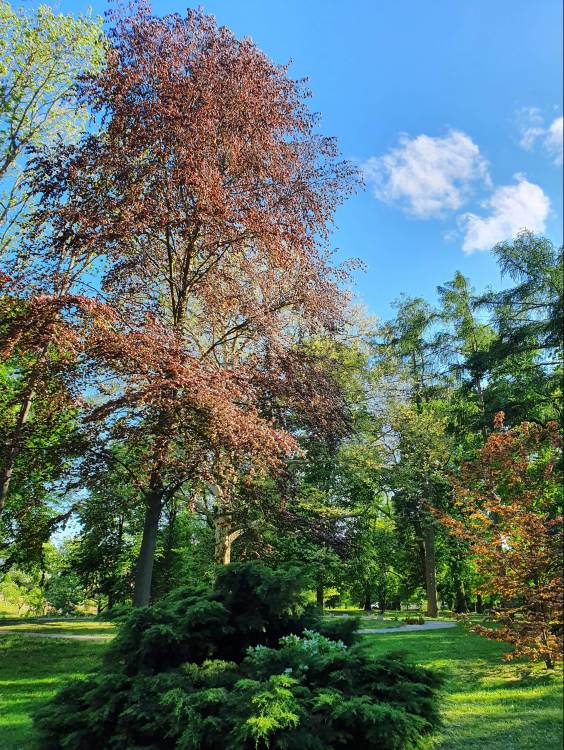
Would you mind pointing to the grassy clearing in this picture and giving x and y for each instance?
(488, 704)
(374, 622)
(396, 614)
(31, 671)
(58, 626)
(392, 618)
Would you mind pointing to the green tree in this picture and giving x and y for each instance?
(525, 359)
(49, 444)
(104, 551)
(418, 481)
(64, 592)
(372, 567)
(464, 340)
(42, 56)
(21, 592)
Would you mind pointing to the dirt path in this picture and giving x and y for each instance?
(431, 625)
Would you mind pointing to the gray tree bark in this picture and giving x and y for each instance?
(144, 572)
(430, 570)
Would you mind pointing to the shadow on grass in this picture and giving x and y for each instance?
(31, 672)
(488, 704)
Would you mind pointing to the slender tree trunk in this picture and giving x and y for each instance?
(222, 553)
(368, 601)
(479, 604)
(430, 570)
(144, 572)
(420, 545)
(224, 539)
(320, 595)
(460, 605)
(224, 535)
(548, 660)
(382, 600)
(460, 602)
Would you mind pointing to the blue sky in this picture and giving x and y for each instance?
(453, 108)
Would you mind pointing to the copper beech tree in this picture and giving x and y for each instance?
(508, 507)
(206, 199)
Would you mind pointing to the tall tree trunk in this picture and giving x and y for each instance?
(368, 600)
(548, 660)
(479, 604)
(320, 594)
(144, 572)
(224, 539)
(420, 545)
(224, 535)
(430, 570)
(383, 599)
(460, 603)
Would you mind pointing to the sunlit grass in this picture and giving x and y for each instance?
(374, 622)
(392, 618)
(83, 626)
(488, 704)
(31, 671)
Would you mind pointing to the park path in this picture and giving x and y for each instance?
(431, 625)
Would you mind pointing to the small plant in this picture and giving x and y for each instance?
(414, 620)
(245, 665)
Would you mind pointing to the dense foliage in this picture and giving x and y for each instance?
(241, 665)
(508, 505)
(184, 382)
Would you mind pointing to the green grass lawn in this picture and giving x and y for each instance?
(85, 626)
(487, 703)
(374, 622)
(392, 618)
(31, 671)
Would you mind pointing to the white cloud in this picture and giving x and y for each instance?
(531, 126)
(533, 131)
(512, 207)
(553, 141)
(427, 176)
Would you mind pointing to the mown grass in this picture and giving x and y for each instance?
(487, 704)
(31, 671)
(82, 626)
(392, 618)
(374, 622)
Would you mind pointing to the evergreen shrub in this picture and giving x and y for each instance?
(244, 664)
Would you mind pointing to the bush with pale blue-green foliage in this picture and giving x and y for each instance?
(245, 664)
